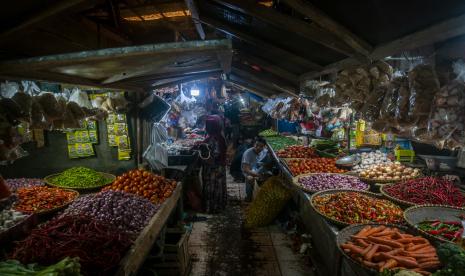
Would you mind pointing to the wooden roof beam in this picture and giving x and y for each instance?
(244, 86)
(104, 31)
(281, 53)
(269, 67)
(319, 17)
(195, 17)
(252, 77)
(40, 16)
(174, 81)
(439, 32)
(290, 24)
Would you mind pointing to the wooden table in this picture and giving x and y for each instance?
(137, 254)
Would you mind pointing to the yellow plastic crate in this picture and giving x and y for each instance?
(404, 155)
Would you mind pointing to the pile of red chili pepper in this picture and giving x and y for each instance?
(41, 198)
(448, 230)
(427, 190)
(98, 246)
(352, 208)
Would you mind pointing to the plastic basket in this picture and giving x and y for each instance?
(404, 155)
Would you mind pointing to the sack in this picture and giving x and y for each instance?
(268, 204)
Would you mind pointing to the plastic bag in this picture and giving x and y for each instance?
(11, 110)
(403, 97)
(50, 106)
(118, 102)
(30, 87)
(80, 97)
(423, 84)
(24, 101)
(446, 124)
(8, 89)
(155, 154)
(38, 120)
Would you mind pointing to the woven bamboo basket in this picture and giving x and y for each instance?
(338, 222)
(109, 179)
(420, 213)
(295, 181)
(58, 208)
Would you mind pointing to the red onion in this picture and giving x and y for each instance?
(16, 183)
(326, 181)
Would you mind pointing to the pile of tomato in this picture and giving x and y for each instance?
(297, 152)
(313, 165)
(154, 187)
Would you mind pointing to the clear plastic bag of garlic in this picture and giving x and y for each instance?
(390, 172)
(447, 118)
(370, 159)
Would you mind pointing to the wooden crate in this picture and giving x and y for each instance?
(176, 258)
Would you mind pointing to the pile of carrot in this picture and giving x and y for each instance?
(382, 247)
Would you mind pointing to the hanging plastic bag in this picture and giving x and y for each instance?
(8, 89)
(52, 110)
(446, 125)
(118, 103)
(80, 97)
(155, 154)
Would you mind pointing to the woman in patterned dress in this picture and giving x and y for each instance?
(214, 191)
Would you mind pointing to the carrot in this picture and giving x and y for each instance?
(396, 251)
(406, 236)
(363, 231)
(369, 255)
(385, 242)
(380, 264)
(385, 232)
(370, 264)
(420, 255)
(417, 246)
(401, 260)
(405, 240)
(428, 249)
(397, 235)
(374, 230)
(389, 264)
(427, 259)
(352, 248)
(383, 247)
(430, 265)
(362, 243)
(365, 251)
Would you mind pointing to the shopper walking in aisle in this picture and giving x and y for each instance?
(214, 191)
(250, 165)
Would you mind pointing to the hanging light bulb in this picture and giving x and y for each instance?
(195, 91)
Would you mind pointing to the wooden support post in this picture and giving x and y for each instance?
(195, 17)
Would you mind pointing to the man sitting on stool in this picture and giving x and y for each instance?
(251, 165)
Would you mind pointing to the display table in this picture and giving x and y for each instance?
(137, 254)
(323, 232)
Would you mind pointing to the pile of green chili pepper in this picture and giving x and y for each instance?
(353, 208)
(79, 177)
(448, 230)
(280, 142)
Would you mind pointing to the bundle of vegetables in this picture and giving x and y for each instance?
(99, 246)
(9, 218)
(353, 208)
(390, 172)
(41, 198)
(280, 142)
(325, 181)
(126, 212)
(314, 165)
(266, 206)
(326, 148)
(427, 190)
(385, 248)
(449, 230)
(16, 183)
(268, 133)
(79, 177)
(370, 159)
(66, 267)
(453, 258)
(154, 187)
(297, 151)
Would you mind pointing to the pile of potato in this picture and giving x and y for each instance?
(390, 172)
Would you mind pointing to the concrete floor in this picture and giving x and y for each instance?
(220, 245)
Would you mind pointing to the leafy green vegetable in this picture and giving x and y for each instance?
(280, 142)
(453, 257)
(79, 177)
(66, 267)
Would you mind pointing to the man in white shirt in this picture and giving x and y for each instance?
(250, 165)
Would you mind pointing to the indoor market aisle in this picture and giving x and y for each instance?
(219, 246)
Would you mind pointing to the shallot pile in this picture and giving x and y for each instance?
(16, 183)
(325, 181)
(127, 212)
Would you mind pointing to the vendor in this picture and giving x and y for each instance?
(251, 165)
